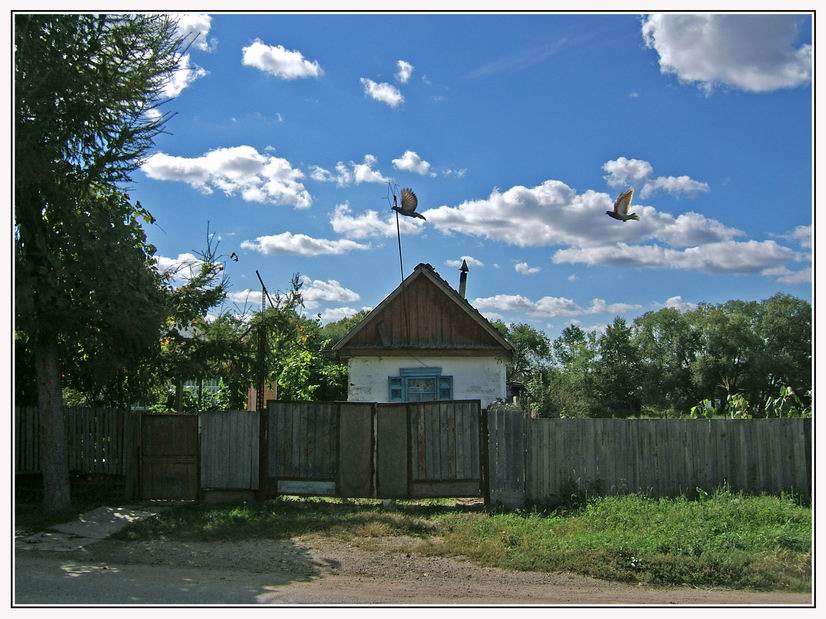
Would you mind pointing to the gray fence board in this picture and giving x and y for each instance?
(229, 450)
(655, 457)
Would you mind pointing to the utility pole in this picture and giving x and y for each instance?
(260, 403)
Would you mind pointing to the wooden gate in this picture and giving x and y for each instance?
(320, 448)
(430, 449)
(169, 457)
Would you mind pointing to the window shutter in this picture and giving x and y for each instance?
(394, 387)
(445, 387)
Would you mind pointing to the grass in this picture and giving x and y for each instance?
(87, 492)
(720, 540)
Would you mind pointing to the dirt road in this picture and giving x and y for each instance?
(317, 571)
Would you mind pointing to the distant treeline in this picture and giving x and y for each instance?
(739, 358)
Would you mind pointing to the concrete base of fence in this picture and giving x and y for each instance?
(227, 496)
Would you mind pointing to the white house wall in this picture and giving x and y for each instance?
(474, 378)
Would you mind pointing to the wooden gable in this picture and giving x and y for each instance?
(424, 314)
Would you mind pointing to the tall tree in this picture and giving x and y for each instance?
(618, 371)
(83, 86)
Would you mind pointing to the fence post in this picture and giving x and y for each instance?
(484, 461)
(131, 455)
(263, 453)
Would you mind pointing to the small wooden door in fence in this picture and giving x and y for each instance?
(429, 449)
(229, 450)
(169, 457)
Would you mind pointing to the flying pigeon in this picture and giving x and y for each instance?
(233, 256)
(621, 206)
(409, 202)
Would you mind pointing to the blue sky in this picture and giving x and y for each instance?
(516, 132)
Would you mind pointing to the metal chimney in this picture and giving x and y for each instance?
(463, 278)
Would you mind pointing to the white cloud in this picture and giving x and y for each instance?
(493, 316)
(383, 92)
(624, 171)
(237, 170)
(801, 234)
(348, 173)
(411, 162)
(755, 53)
(454, 172)
(332, 314)
(195, 27)
(404, 71)
(364, 172)
(370, 224)
(317, 173)
(675, 185)
(549, 306)
(552, 213)
(153, 114)
(719, 257)
(677, 303)
(525, 269)
(185, 266)
(572, 278)
(316, 291)
(301, 245)
(246, 296)
(276, 60)
(343, 175)
(787, 276)
(182, 77)
(471, 262)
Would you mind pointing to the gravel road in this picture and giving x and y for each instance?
(318, 571)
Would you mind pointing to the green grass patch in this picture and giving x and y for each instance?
(87, 493)
(721, 540)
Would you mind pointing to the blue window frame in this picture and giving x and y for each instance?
(419, 385)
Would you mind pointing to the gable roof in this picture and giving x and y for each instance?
(424, 313)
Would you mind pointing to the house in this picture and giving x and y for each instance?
(425, 342)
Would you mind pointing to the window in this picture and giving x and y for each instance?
(420, 385)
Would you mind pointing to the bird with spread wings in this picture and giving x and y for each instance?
(621, 206)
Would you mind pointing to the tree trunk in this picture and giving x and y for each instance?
(53, 463)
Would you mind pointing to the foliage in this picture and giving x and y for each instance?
(87, 295)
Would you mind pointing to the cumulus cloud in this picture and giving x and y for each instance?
(349, 173)
(238, 170)
(525, 269)
(411, 162)
(301, 245)
(787, 276)
(553, 213)
(317, 291)
(549, 306)
(332, 314)
(675, 185)
(802, 235)
(185, 266)
(370, 224)
(243, 297)
(403, 71)
(458, 173)
(280, 62)
(755, 53)
(677, 303)
(622, 171)
(364, 173)
(195, 27)
(383, 92)
(182, 77)
(471, 262)
(572, 278)
(718, 257)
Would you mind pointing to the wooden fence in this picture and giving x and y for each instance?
(95, 440)
(543, 459)
(229, 450)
